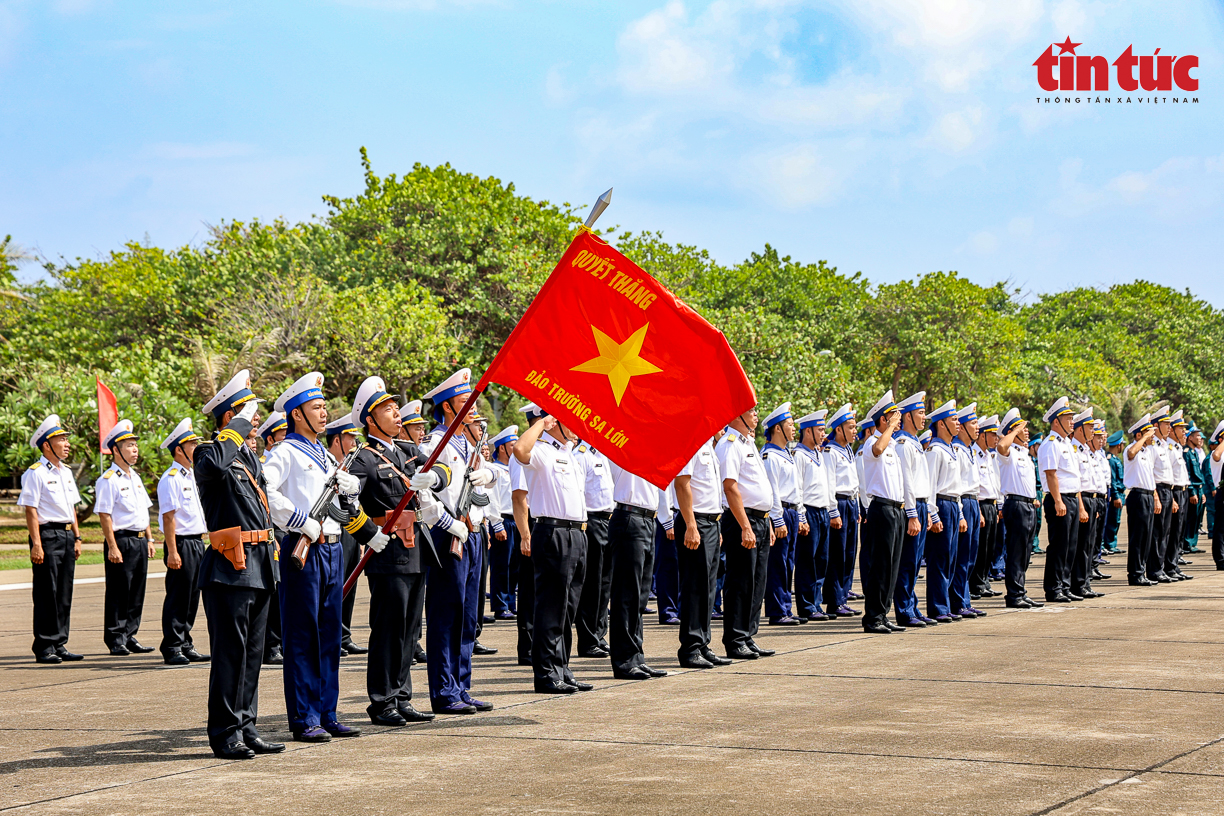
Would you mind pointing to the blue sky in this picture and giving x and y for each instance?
(891, 137)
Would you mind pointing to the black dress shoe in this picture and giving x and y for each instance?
(553, 687)
(653, 672)
(411, 715)
(975, 596)
(717, 660)
(762, 652)
(581, 686)
(1101, 576)
(599, 653)
(742, 653)
(136, 647)
(1033, 602)
(353, 648)
(635, 673)
(1186, 577)
(480, 649)
(261, 746)
(390, 717)
(235, 750)
(892, 627)
(1057, 599)
(119, 650)
(48, 659)
(419, 656)
(488, 619)
(275, 658)
(1140, 582)
(196, 656)
(877, 629)
(1020, 604)
(1071, 596)
(67, 656)
(1161, 578)
(177, 659)
(695, 662)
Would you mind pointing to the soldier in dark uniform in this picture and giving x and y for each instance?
(395, 572)
(238, 571)
(342, 435)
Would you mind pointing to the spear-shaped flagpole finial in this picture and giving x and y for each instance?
(601, 204)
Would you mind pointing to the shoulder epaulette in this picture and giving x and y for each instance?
(35, 466)
(108, 474)
(764, 454)
(263, 458)
(582, 448)
(901, 441)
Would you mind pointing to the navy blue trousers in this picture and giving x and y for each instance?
(811, 563)
(451, 605)
(905, 599)
(503, 569)
(782, 567)
(310, 605)
(940, 551)
(667, 573)
(966, 554)
(843, 545)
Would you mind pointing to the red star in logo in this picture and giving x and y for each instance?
(1064, 47)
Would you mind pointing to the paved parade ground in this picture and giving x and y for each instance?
(1109, 706)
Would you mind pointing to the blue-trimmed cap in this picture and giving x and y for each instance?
(1115, 438)
(1193, 429)
(1010, 420)
(1142, 424)
(1035, 440)
(275, 422)
(1058, 409)
(410, 414)
(49, 429)
(914, 402)
(945, 411)
(1098, 427)
(1215, 435)
(183, 432)
(968, 413)
(533, 411)
(1161, 415)
(458, 383)
(122, 431)
(234, 393)
(370, 394)
(840, 416)
(342, 425)
(778, 416)
(506, 436)
(925, 437)
(308, 387)
(882, 407)
(1084, 417)
(1178, 420)
(990, 423)
(865, 427)
(816, 419)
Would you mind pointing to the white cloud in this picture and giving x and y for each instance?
(793, 177)
(958, 130)
(662, 52)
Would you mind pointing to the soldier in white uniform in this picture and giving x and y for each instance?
(412, 422)
(122, 504)
(503, 552)
(944, 537)
(787, 522)
(1017, 483)
(1166, 502)
(1215, 460)
(182, 523)
(967, 546)
(49, 495)
(844, 521)
(1181, 497)
(1059, 470)
(990, 504)
(698, 490)
(819, 506)
(1139, 479)
(522, 522)
(884, 486)
(920, 510)
(592, 623)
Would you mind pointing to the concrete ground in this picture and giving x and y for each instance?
(1108, 706)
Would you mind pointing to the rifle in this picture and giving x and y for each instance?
(468, 497)
(318, 510)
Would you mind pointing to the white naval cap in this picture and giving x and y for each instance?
(1082, 417)
(123, 430)
(183, 432)
(1215, 435)
(1098, 427)
(1010, 420)
(840, 416)
(458, 383)
(914, 402)
(990, 423)
(1059, 408)
(371, 393)
(505, 436)
(274, 422)
(924, 437)
(945, 411)
(1177, 419)
(410, 414)
(1161, 414)
(968, 413)
(49, 429)
(778, 415)
(816, 419)
(306, 388)
(532, 411)
(882, 407)
(1142, 424)
(234, 393)
(344, 424)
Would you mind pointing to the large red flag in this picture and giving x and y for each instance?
(108, 413)
(623, 362)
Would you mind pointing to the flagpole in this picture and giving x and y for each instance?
(597, 210)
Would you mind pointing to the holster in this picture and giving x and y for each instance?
(404, 529)
(228, 542)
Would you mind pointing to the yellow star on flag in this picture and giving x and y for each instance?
(620, 361)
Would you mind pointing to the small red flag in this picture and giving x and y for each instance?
(108, 413)
(623, 362)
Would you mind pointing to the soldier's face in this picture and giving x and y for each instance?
(416, 432)
(61, 447)
(992, 439)
(188, 449)
(313, 414)
(129, 449)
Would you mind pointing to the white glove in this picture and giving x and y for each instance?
(311, 529)
(348, 483)
(481, 477)
(422, 480)
(458, 529)
(431, 509)
(248, 410)
(379, 542)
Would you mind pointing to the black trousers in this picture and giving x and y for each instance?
(182, 596)
(525, 617)
(744, 584)
(631, 550)
(237, 619)
(1087, 545)
(559, 557)
(1217, 532)
(988, 538)
(698, 578)
(882, 558)
(1162, 525)
(596, 588)
(1177, 530)
(53, 589)
(352, 553)
(484, 578)
(1140, 526)
(1063, 532)
(1020, 517)
(125, 588)
(396, 604)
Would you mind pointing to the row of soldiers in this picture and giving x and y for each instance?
(577, 534)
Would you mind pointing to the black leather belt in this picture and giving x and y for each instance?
(130, 533)
(1020, 498)
(968, 496)
(329, 539)
(1141, 490)
(844, 496)
(635, 510)
(790, 506)
(556, 522)
(986, 501)
(708, 516)
(599, 514)
(1163, 486)
(1074, 495)
(1095, 495)
(55, 525)
(946, 497)
(507, 517)
(885, 502)
(757, 514)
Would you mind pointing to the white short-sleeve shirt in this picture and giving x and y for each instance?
(176, 490)
(123, 497)
(50, 490)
